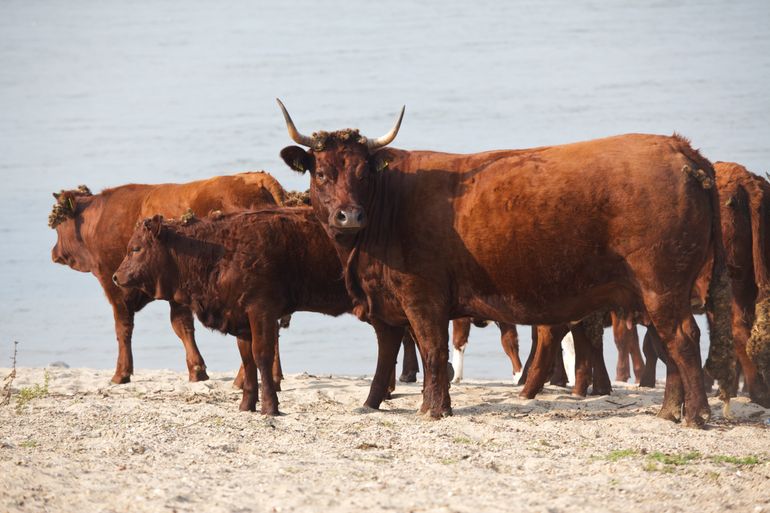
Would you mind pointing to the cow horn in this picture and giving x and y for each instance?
(293, 133)
(386, 139)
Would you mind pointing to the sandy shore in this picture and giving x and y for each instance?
(162, 444)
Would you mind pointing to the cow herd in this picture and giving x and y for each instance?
(627, 229)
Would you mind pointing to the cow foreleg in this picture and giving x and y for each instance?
(461, 329)
(582, 360)
(432, 334)
(752, 379)
(388, 341)
(249, 383)
(124, 327)
(184, 327)
(264, 335)
(621, 334)
(410, 368)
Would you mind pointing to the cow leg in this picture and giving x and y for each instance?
(249, 384)
(432, 335)
(388, 341)
(743, 319)
(461, 329)
(410, 367)
(547, 339)
(264, 335)
(559, 375)
(636, 354)
(184, 327)
(277, 370)
(650, 357)
(681, 336)
(582, 360)
(509, 339)
(530, 357)
(124, 327)
(239, 377)
(621, 333)
(594, 327)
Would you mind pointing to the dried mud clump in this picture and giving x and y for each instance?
(321, 138)
(297, 199)
(64, 208)
(758, 346)
(720, 363)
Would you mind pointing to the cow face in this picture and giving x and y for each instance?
(147, 259)
(68, 219)
(341, 170)
(340, 177)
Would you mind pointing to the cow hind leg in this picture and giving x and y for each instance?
(542, 362)
(651, 347)
(600, 379)
(410, 367)
(681, 337)
(582, 360)
(461, 329)
(277, 369)
(184, 327)
(620, 332)
(509, 339)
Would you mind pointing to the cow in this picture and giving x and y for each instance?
(744, 200)
(538, 236)
(239, 273)
(93, 230)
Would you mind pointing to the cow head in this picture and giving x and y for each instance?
(147, 264)
(342, 166)
(67, 218)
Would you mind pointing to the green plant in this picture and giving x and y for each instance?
(36, 391)
(620, 454)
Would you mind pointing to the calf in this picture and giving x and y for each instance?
(239, 274)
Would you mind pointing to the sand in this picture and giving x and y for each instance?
(162, 444)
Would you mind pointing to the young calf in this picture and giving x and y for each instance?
(240, 273)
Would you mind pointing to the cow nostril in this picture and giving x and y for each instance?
(115, 279)
(341, 217)
(360, 216)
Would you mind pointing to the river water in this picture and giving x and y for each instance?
(106, 93)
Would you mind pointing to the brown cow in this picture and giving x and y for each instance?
(509, 339)
(93, 230)
(744, 200)
(240, 273)
(538, 236)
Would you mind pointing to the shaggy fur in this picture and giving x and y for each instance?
(758, 346)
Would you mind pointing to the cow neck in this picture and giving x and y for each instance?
(374, 243)
(196, 261)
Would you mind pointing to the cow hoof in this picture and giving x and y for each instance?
(524, 394)
(410, 377)
(119, 379)
(271, 411)
(440, 414)
(198, 373)
(601, 391)
(669, 414)
(365, 409)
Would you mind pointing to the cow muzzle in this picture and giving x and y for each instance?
(350, 218)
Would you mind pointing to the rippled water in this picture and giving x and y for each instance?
(109, 92)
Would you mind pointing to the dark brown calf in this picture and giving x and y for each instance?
(240, 274)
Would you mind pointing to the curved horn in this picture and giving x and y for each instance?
(386, 139)
(293, 132)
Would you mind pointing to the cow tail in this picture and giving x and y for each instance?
(721, 360)
(758, 346)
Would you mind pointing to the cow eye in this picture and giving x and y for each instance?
(320, 176)
(136, 249)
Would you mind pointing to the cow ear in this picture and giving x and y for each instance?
(298, 159)
(379, 162)
(56, 195)
(154, 225)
